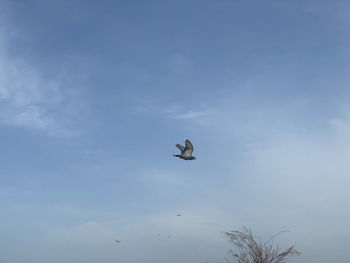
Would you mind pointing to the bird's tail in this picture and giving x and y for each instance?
(176, 155)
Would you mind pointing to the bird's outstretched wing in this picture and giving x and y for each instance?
(180, 147)
(188, 148)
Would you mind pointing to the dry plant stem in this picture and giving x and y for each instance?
(249, 250)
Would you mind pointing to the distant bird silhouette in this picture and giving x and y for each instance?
(178, 215)
(116, 240)
(186, 152)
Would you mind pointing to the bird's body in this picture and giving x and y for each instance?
(116, 240)
(186, 152)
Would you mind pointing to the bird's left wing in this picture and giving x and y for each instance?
(180, 147)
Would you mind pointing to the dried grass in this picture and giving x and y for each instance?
(250, 250)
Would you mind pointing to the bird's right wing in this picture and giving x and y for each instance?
(188, 148)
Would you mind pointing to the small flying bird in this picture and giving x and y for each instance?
(186, 152)
(178, 215)
(116, 240)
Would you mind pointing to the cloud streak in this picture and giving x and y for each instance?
(179, 112)
(191, 114)
(27, 99)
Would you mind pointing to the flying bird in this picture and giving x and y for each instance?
(186, 152)
(116, 240)
(178, 215)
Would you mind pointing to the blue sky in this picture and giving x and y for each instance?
(95, 95)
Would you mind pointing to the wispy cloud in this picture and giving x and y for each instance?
(173, 109)
(27, 99)
(180, 64)
(146, 234)
(191, 114)
(181, 113)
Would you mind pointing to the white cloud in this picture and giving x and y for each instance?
(193, 237)
(180, 112)
(191, 114)
(173, 109)
(180, 64)
(27, 99)
(71, 234)
(300, 181)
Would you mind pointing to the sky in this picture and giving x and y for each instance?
(94, 95)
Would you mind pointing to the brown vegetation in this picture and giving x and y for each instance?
(249, 250)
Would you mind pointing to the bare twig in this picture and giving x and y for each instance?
(250, 250)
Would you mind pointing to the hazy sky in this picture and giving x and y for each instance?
(94, 95)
